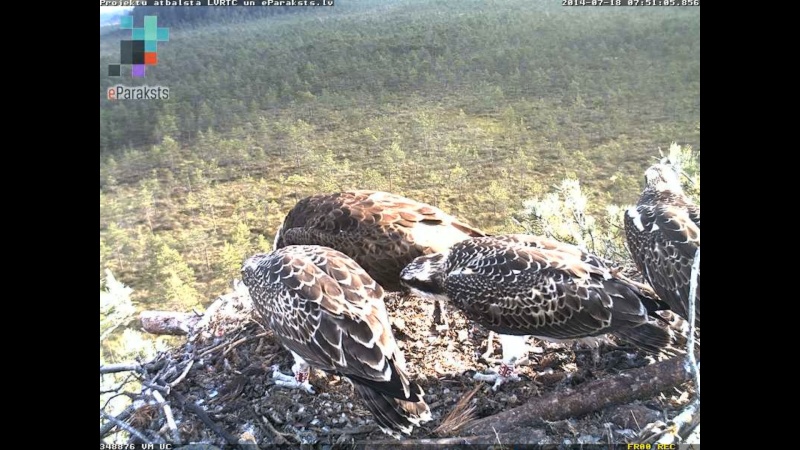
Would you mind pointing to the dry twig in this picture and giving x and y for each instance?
(110, 424)
(681, 425)
(183, 374)
(202, 415)
(280, 438)
(176, 436)
(241, 341)
(133, 431)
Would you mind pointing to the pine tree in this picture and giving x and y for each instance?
(175, 279)
(235, 251)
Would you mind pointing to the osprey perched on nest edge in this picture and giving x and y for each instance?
(330, 314)
(663, 234)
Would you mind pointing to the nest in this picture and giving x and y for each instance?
(217, 388)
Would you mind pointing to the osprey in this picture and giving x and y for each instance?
(383, 232)
(330, 314)
(521, 285)
(663, 234)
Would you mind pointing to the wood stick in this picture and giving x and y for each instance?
(214, 348)
(241, 341)
(122, 367)
(279, 438)
(182, 375)
(108, 426)
(200, 413)
(176, 436)
(133, 431)
(626, 387)
(682, 424)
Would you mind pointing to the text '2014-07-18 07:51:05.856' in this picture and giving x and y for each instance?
(630, 3)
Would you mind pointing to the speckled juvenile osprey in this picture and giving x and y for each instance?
(520, 285)
(663, 233)
(383, 232)
(330, 314)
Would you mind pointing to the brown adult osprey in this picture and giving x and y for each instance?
(663, 234)
(383, 232)
(520, 285)
(330, 314)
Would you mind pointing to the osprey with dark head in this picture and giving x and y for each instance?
(326, 310)
(519, 285)
(663, 234)
(381, 231)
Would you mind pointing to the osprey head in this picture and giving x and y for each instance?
(424, 276)
(662, 177)
(253, 268)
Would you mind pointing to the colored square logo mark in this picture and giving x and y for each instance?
(126, 22)
(142, 49)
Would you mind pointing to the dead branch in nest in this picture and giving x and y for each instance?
(110, 424)
(168, 322)
(202, 415)
(133, 431)
(280, 438)
(624, 388)
(242, 341)
(182, 375)
(215, 348)
(527, 435)
(122, 367)
(173, 427)
(156, 387)
(462, 414)
(673, 432)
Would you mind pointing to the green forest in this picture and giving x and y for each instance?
(500, 112)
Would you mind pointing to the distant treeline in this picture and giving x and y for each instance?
(610, 67)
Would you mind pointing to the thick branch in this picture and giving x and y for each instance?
(122, 367)
(626, 387)
(168, 322)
